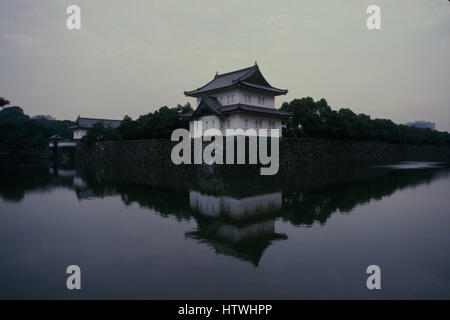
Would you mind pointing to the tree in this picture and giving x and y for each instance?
(19, 133)
(98, 132)
(127, 129)
(318, 120)
(3, 102)
(315, 119)
(14, 113)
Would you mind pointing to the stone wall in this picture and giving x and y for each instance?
(308, 150)
(293, 151)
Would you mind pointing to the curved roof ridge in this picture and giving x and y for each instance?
(250, 84)
(247, 74)
(210, 103)
(200, 88)
(222, 75)
(235, 71)
(80, 117)
(251, 77)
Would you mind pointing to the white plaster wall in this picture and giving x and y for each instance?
(63, 144)
(78, 134)
(269, 101)
(236, 121)
(67, 144)
(239, 121)
(227, 97)
(79, 182)
(207, 122)
(232, 121)
(235, 96)
(210, 122)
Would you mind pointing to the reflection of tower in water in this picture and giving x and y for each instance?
(240, 227)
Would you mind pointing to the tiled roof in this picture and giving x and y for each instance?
(255, 109)
(213, 105)
(247, 77)
(87, 123)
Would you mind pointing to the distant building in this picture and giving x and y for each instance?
(422, 124)
(83, 124)
(58, 142)
(240, 99)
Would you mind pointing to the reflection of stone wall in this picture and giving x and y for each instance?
(140, 161)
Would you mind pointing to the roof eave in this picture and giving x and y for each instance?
(198, 93)
(259, 113)
(272, 91)
(239, 110)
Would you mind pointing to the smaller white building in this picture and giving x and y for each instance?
(240, 99)
(56, 141)
(83, 124)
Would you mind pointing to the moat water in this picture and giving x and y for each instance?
(308, 233)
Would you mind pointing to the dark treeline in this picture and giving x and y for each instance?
(21, 133)
(316, 119)
(153, 125)
(311, 118)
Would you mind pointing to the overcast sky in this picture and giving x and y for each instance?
(131, 57)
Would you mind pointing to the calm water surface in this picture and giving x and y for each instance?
(234, 235)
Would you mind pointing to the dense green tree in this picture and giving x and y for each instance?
(153, 125)
(13, 114)
(100, 132)
(318, 120)
(127, 128)
(3, 102)
(20, 133)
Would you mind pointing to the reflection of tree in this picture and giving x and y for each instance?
(15, 183)
(164, 200)
(305, 206)
(306, 196)
(235, 209)
(311, 194)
